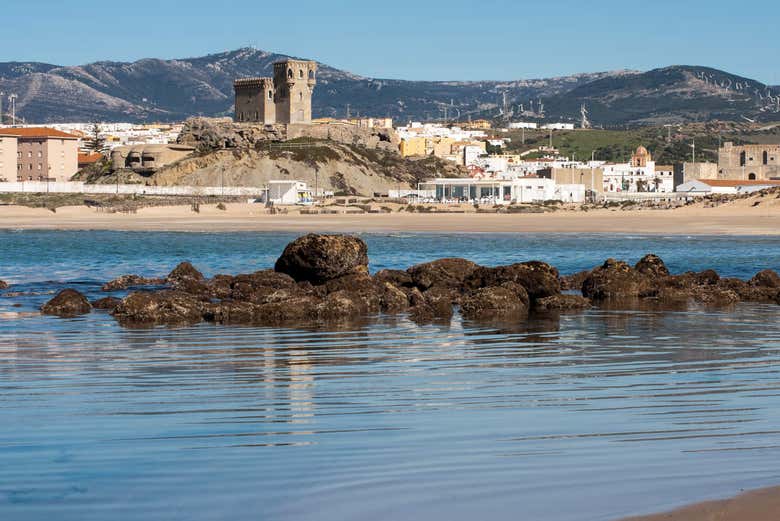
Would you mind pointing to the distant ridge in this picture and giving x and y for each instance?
(169, 90)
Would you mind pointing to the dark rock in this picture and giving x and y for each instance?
(160, 308)
(615, 279)
(562, 303)
(394, 300)
(707, 277)
(320, 258)
(574, 282)
(106, 303)
(233, 313)
(538, 278)
(766, 279)
(749, 292)
(263, 286)
(442, 273)
(652, 266)
(510, 300)
(67, 303)
(435, 306)
(395, 277)
(131, 281)
(341, 306)
(299, 311)
(3, 284)
(184, 272)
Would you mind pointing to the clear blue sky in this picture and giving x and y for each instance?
(422, 39)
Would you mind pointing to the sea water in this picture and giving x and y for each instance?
(594, 415)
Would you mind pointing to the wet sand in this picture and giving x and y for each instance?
(758, 505)
(723, 220)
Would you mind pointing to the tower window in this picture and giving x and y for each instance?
(289, 73)
(766, 157)
(300, 73)
(270, 94)
(311, 75)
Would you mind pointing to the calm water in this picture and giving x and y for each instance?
(594, 416)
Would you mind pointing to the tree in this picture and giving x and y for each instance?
(95, 142)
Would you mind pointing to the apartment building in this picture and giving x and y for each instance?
(7, 157)
(44, 154)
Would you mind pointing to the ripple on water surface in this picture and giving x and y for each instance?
(604, 413)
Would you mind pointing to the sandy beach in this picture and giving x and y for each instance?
(733, 219)
(758, 505)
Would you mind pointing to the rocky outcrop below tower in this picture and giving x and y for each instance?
(337, 157)
(209, 134)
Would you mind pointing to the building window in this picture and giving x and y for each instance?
(40, 154)
(741, 159)
(270, 94)
(290, 73)
(40, 166)
(752, 177)
(311, 75)
(766, 157)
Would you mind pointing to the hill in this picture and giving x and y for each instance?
(173, 90)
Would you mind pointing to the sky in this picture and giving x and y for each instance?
(415, 40)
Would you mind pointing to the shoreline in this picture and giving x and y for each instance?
(724, 220)
(755, 505)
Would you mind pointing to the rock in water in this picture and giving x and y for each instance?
(510, 300)
(442, 273)
(67, 303)
(184, 272)
(3, 284)
(561, 303)
(320, 258)
(130, 281)
(766, 279)
(159, 308)
(539, 279)
(107, 303)
(615, 280)
(652, 266)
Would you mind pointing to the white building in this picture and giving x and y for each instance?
(559, 126)
(500, 191)
(289, 192)
(523, 124)
(638, 175)
(703, 187)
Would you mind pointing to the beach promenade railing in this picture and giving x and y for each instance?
(77, 187)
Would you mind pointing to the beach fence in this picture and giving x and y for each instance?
(78, 187)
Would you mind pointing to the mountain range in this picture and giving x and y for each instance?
(172, 90)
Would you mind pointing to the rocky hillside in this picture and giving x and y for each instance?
(339, 158)
(676, 94)
(173, 90)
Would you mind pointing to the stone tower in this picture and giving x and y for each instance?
(294, 82)
(255, 100)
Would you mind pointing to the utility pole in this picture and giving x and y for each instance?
(1, 106)
(693, 151)
(348, 115)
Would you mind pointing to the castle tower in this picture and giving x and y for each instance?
(255, 100)
(294, 81)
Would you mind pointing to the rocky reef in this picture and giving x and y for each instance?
(324, 279)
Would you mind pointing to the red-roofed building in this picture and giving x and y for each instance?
(44, 153)
(86, 160)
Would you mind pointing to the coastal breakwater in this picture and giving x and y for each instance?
(325, 280)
